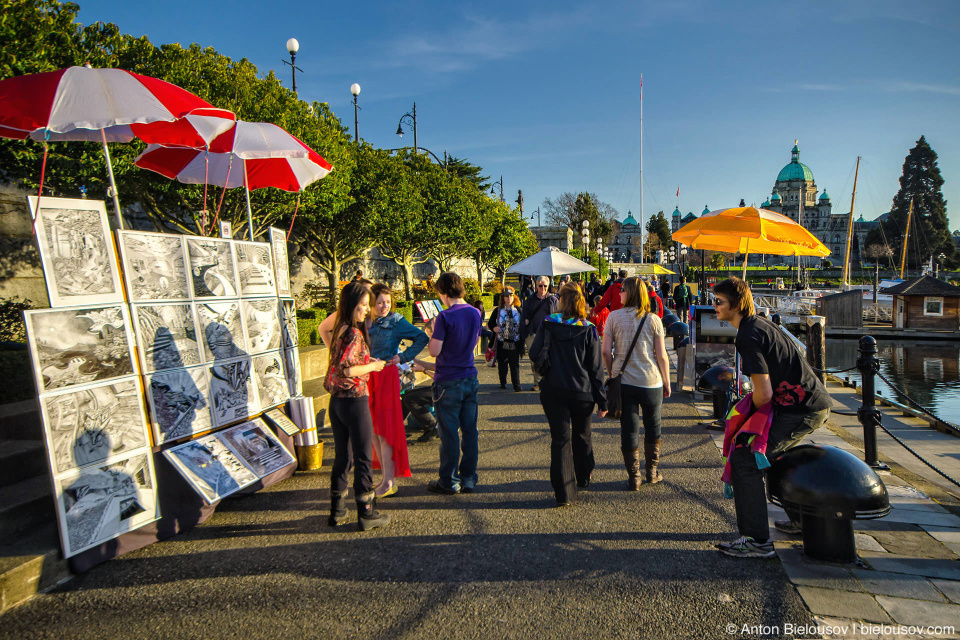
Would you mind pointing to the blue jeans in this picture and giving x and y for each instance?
(639, 402)
(455, 402)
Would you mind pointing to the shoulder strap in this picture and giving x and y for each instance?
(633, 344)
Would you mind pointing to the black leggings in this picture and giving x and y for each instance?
(353, 444)
(511, 358)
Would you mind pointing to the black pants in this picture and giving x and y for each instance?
(353, 445)
(571, 447)
(749, 494)
(418, 402)
(511, 358)
(637, 402)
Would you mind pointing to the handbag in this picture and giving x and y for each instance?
(491, 353)
(612, 385)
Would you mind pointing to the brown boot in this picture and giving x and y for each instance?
(631, 460)
(651, 454)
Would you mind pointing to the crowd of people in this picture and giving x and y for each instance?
(576, 353)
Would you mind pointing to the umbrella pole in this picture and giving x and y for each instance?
(113, 182)
(746, 254)
(246, 188)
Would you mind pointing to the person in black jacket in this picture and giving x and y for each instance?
(534, 310)
(569, 389)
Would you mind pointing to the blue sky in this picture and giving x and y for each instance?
(547, 94)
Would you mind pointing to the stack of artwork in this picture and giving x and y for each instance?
(201, 322)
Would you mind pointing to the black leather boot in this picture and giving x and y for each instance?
(338, 508)
(367, 515)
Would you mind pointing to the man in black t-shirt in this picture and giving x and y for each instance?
(801, 404)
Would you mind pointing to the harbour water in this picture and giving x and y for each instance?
(928, 371)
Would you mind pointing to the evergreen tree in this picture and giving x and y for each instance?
(929, 228)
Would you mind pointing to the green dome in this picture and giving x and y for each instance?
(706, 209)
(766, 203)
(824, 196)
(676, 212)
(796, 170)
(775, 199)
(630, 219)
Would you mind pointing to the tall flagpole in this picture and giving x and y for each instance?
(642, 230)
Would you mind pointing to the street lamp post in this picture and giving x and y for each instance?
(493, 188)
(355, 90)
(585, 240)
(413, 118)
(292, 47)
(940, 259)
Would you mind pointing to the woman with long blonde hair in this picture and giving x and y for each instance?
(645, 380)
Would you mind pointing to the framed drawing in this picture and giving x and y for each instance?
(270, 379)
(212, 271)
(281, 263)
(99, 503)
(255, 268)
(79, 345)
(262, 323)
(179, 404)
(256, 445)
(226, 230)
(233, 395)
(167, 335)
(288, 323)
(154, 266)
(282, 422)
(221, 330)
(212, 469)
(88, 424)
(291, 366)
(76, 251)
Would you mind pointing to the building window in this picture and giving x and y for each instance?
(932, 306)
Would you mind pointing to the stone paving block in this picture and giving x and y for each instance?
(922, 517)
(949, 588)
(910, 504)
(843, 604)
(868, 543)
(906, 492)
(906, 540)
(943, 534)
(814, 574)
(920, 612)
(927, 567)
(897, 585)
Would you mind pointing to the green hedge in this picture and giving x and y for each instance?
(307, 330)
(404, 308)
(490, 300)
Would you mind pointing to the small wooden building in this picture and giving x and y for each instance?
(842, 310)
(925, 303)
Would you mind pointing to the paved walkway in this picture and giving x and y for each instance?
(504, 563)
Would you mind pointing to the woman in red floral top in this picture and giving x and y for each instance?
(347, 374)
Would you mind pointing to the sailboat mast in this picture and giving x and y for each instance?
(642, 260)
(846, 253)
(906, 237)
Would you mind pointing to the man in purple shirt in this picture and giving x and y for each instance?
(455, 387)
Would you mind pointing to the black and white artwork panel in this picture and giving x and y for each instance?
(288, 320)
(154, 266)
(233, 392)
(291, 366)
(270, 379)
(212, 270)
(221, 329)
(87, 425)
(256, 445)
(76, 250)
(167, 335)
(179, 403)
(212, 469)
(79, 345)
(281, 264)
(99, 503)
(255, 268)
(262, 323)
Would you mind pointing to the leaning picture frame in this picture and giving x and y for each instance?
(87, 424)
(210, 468)
(255, 444)
(154, 266)
(281, 261)
(98, 503)
(79, 345)
(76, 251)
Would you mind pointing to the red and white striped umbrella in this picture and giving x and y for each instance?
(251, 154)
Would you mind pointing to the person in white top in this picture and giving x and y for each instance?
(646, 378)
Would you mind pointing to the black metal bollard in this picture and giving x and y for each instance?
(868, 414)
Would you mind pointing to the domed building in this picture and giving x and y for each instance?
(622, 239)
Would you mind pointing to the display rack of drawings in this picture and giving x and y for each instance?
(183, 358)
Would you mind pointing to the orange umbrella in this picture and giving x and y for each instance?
(750, 230)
